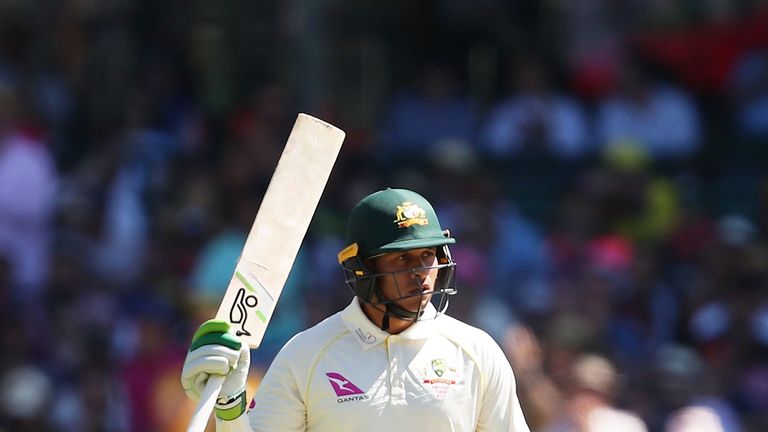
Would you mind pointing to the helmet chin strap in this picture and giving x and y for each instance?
(393, 309)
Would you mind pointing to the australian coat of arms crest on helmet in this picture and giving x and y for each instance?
(409, 214)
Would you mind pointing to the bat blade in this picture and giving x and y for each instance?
(279, 228)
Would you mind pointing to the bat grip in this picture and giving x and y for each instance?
(205, 405)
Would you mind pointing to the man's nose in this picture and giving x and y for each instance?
(420, 271)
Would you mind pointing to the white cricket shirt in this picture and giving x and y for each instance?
(346, 374)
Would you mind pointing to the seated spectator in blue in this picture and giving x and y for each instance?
(658, 117)
(691, 397)
(535, 118)
(28, 181)
(435, 111)
(749, 90)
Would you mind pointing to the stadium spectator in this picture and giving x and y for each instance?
(660, 118)
(536, 119)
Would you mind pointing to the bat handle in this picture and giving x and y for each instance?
(205, 405)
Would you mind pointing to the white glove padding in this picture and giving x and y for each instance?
(217, 356)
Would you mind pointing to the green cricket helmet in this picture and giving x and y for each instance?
(394, 220)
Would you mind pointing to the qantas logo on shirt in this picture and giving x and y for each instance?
(344, 389)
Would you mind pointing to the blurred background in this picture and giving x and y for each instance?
(601, 162)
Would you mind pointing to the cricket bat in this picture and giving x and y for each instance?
(274, 240)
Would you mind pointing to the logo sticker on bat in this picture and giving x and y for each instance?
(239, 312)
(252, 299)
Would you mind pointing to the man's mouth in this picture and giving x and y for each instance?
(424, 289)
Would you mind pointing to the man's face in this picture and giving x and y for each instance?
(409, 278)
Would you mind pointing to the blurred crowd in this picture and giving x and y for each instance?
(601, 163)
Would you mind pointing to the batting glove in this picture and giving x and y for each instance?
(217, 351)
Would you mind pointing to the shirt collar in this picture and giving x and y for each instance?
(369, 334)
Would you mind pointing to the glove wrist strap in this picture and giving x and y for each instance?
(231, 408)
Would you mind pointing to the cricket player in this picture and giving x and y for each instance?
(390, 361)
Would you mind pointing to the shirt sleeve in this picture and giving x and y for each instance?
(500, 408)
(278, 404)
